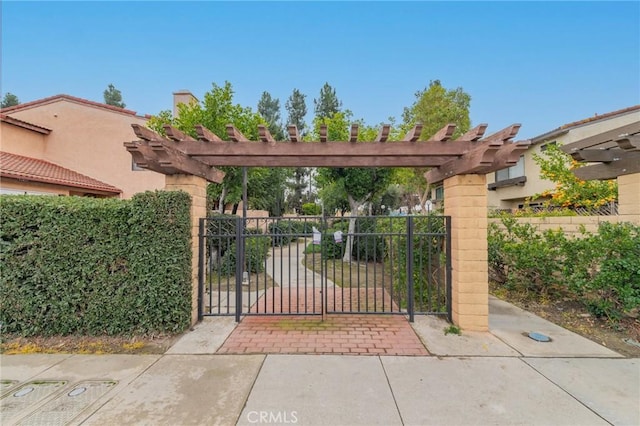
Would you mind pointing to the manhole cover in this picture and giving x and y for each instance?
(69, 404)
(26, 396)
(539, 337)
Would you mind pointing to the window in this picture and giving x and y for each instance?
(512, 172)
(543, 148)
(135, 167)
(439, 192)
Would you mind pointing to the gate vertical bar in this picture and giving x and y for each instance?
(324, 279)
(409, 265)
(239, 266)
(201, 273)
(447, 237)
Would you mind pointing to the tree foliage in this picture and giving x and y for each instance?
(570, 191)
(435, 107)
(269, 109)
(297, 108)
(9, 100)
(327, 104)
(112, 96)
(359, 184)
(215, 112)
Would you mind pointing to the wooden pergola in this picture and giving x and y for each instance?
(611, 154)
(179, 153)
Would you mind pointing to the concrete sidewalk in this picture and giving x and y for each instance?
(501, 377)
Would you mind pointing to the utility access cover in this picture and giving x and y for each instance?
(18, 401)
(69, 404)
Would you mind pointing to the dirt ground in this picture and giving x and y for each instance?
(564, 312)
(87, 344)
(575, 317)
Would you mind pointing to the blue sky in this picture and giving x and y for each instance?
(541, 64)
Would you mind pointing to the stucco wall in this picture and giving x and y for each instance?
(21, 141)
(88, 139)
(33, 187)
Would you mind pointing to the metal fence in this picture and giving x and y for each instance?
(314, 265)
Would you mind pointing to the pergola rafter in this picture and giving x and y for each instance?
(614, 153)
(469, 154)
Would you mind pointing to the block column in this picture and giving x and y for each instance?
(196, 187)
(629, 198)
(465, 201)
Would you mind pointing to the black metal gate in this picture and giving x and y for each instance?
(316, 265)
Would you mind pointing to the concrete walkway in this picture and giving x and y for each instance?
(501, 377)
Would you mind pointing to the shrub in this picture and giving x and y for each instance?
(520, 256)
(256, 251)
(601, 270)
(368, 247)
(284, 231)
(331, 249)
(606, 276)
(429, 261)
(311, 209)
(95, 266)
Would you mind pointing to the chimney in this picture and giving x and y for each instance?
(182, 97)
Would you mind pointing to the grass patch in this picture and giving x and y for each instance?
(356, 274)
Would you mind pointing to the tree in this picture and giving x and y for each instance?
(569, 191)
(359, 185)
(297, 109)
(327, 104)
(112, 96)
(269, 109)
(434, 108)
(215, 112)
(9, 100)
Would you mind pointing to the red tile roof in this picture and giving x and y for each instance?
(55, 98)
(24, 124)
(34, 170)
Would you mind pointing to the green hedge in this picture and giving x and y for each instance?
(75, 265)
(600, 270)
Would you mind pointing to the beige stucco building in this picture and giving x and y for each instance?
(509, 188)
(71, 146)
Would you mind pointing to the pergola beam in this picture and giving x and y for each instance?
(413, 134)
(294, 136)
(383, 135)
(183, 154)
(206, 135)
(353, 134)
(323, 133)
(610, 135)
(175, 134)
(265, 135)
(444, 134)
(629, 143)
(315, 149)
(235, 135)
(597, 155)
(474, 134)
(627, 165)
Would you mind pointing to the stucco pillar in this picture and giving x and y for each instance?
(465, 200)
(197, 188)
(629, 198)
